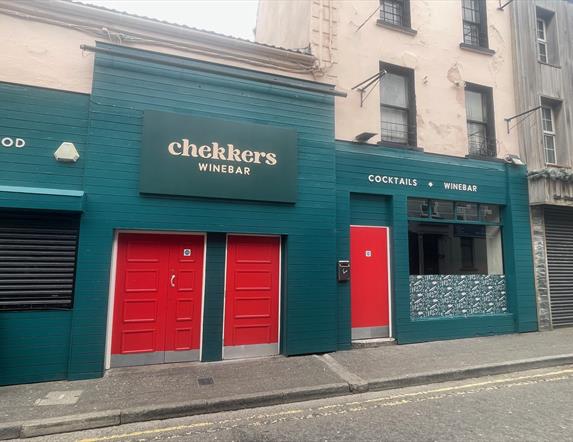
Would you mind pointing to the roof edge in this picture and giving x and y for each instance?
(102, 18)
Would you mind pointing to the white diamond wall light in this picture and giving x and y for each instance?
(67, 153)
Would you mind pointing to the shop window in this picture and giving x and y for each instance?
(489, 213)
(475, 23)
(442, 209)
(37, 260)
(466, 211)
(397, 106)
(546, 33)
(395, 12)
(418, 208)
(454, 249)
(480, 121)
(469, 245)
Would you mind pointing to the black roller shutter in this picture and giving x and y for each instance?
(37, 259)
(559, 237)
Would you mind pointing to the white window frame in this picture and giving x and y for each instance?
(541, 41)
(549, 133)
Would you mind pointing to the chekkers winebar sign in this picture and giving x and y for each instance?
(184, 155)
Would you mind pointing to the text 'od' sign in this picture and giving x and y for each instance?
(194, 156)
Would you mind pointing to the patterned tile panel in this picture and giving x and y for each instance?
(438, 296)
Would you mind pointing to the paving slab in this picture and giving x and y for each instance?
(391, 362)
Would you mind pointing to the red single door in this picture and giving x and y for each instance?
(185, 293)
(369, 282)
(157, 302)
(251, 296)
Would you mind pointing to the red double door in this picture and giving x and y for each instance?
(158, 297)
(251, 326)
(369, 282)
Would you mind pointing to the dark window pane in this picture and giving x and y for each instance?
(443, 209)
(547, 119)
(481, 135)
(475, 106)
(477, 139)
(454, 249)
(549, 141)
(467, 252)
(414, 253)
(542, 52)
(489, 213)
(466, 211)
(394, 125)
(471, 10)
(540, 29)
(474, 26)
(394, 90)
(418, 208)
(392, 11)
(471, 34)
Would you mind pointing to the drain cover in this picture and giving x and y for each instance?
(205, 381)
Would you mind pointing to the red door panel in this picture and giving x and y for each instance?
(252, 290)
(369, 281)
(158, 294)
(185, 293)
(139, 318)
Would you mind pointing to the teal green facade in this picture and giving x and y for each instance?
(363, 202)
(124, 88)
(34, 345)
(332, 193)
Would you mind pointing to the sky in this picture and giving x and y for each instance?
(229, 17)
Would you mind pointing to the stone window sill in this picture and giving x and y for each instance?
(400, 146)
(477, 49)
(402, 29)
(556, 66)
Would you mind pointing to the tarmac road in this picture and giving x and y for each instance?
(534, 405)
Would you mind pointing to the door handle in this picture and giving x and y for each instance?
(173, 280)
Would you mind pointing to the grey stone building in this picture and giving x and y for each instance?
(543, 57)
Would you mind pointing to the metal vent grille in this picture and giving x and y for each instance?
(37, 259)
(559, 239)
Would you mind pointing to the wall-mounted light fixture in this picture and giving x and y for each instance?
(67, 153)
(363, 137)
(513, 159)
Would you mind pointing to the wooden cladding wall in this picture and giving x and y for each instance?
(535, 80)
(123, 88)
(44, 119)
(34, 345)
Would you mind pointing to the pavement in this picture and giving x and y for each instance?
(140, 394)
(510, 407)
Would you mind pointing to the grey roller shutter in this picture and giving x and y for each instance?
(37, 259)
(559, 237)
